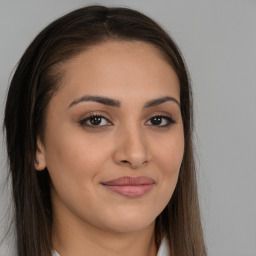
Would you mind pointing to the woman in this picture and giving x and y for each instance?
(98, 123)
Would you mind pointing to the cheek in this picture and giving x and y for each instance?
(169, 158)
(74, 164)
(170, 150)
(74, 157)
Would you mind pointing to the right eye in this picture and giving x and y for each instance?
(95, 121)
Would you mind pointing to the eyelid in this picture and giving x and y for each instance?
(97, 113)
(165, 115)
(86, 117)
(105, 116)
(161, 113)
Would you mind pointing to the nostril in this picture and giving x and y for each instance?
(133, 164)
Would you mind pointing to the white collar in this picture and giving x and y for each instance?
(163, 249)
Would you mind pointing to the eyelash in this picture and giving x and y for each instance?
(84, 121)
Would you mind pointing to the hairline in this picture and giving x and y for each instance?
(59, 69)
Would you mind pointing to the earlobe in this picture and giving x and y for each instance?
(40, 162)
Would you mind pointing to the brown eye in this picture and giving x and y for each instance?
(160, 120)
(95, 121)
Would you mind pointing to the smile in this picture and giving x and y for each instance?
(129, 186)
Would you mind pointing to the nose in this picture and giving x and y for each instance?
(131, 149)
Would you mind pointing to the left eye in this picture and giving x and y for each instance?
(160, 121)
(95, 120)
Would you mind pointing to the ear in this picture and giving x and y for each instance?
(40, 161)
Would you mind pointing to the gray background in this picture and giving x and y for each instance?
(218, 40)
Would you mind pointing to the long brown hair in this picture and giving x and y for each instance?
(35, 81)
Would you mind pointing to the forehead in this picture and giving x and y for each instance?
(119, 69)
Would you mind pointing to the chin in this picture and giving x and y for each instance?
(129, 224)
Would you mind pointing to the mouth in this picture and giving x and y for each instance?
(131, 187)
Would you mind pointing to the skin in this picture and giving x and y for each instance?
(87, 216)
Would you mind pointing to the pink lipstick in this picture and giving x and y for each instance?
(130, 186)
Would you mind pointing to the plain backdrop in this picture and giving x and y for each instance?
(218, 40)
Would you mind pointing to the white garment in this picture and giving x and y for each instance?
(163, 249)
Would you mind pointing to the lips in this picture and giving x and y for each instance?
(131, 187)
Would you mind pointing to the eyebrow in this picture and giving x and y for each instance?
(99, 99)
(116, 103)
(159, 101)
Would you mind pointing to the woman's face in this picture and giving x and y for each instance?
(114, 139)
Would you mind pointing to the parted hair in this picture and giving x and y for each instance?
(36, 80)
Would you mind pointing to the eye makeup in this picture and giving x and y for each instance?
(95, 121)
(99, 120)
